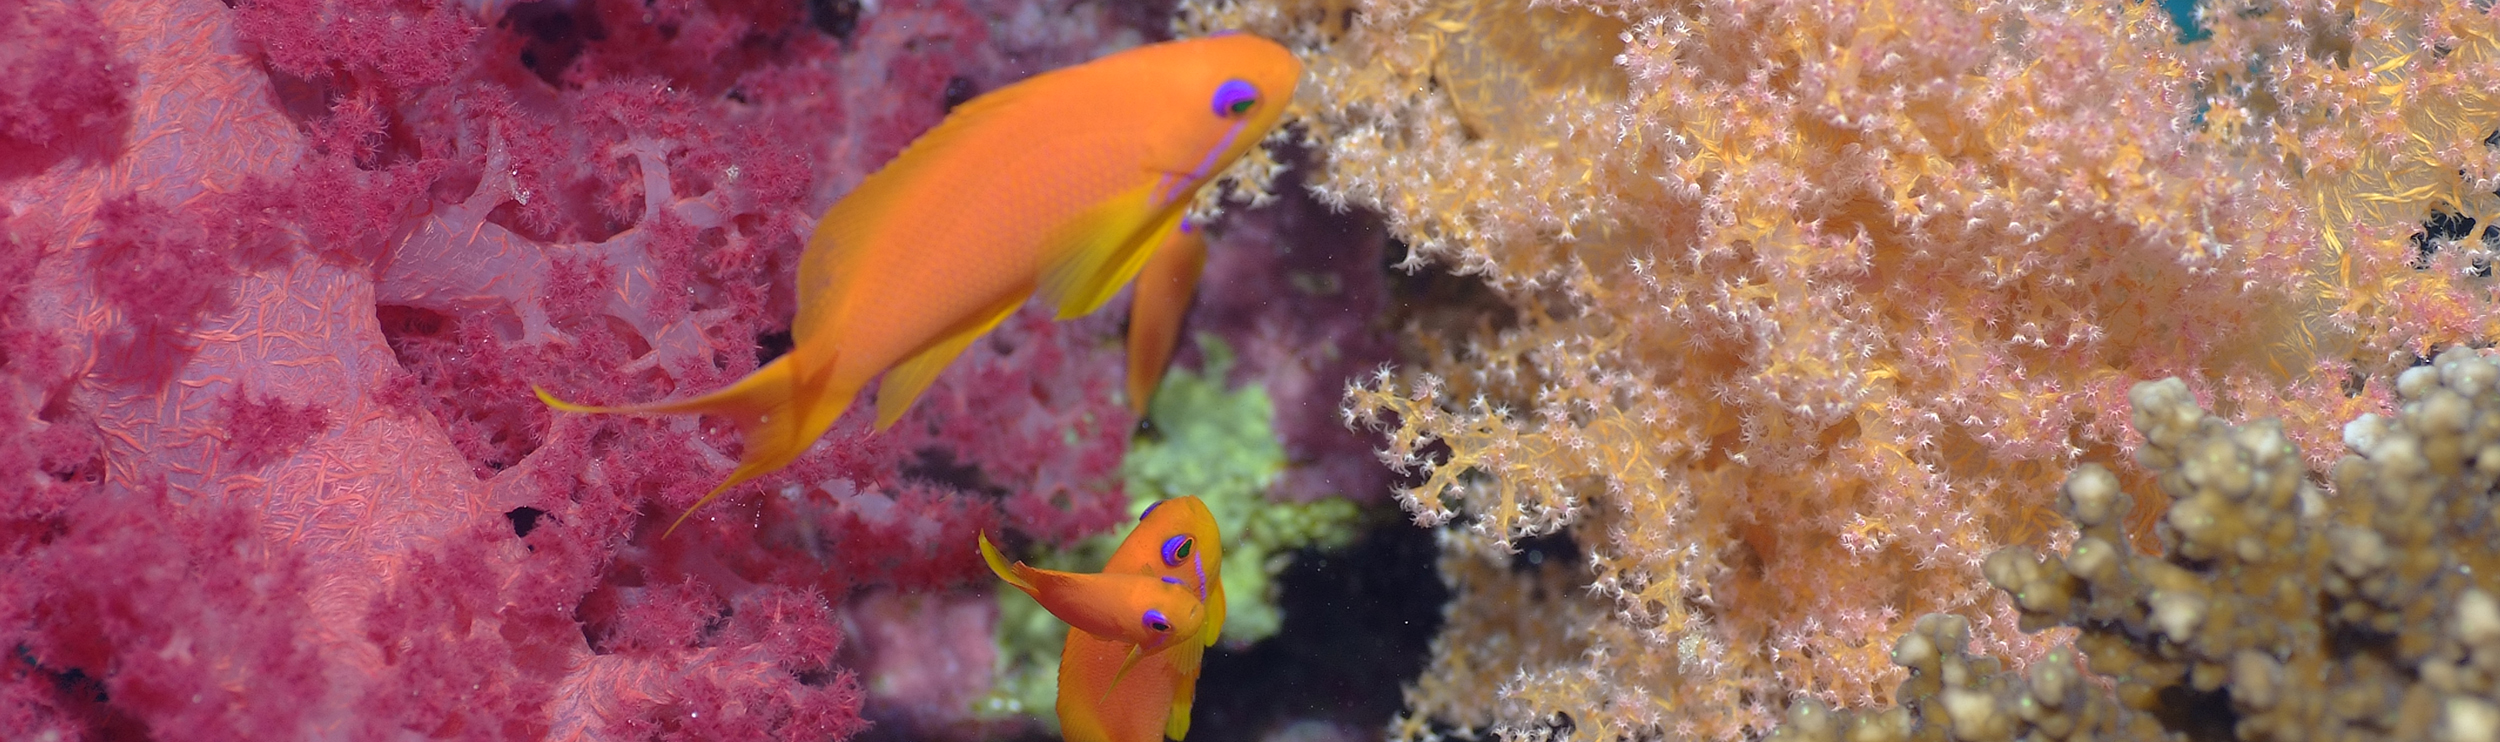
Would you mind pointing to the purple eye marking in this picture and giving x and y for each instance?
(1176, 549)
(1235, 97)
(1173, 580)
(1156, 621)
(1233, 100)
(1150, 509)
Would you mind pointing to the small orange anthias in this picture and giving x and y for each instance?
(1066, 184)
(1120, 678)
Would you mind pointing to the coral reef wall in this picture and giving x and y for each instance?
(276, 277)
(2276, 609)
(1807, 306)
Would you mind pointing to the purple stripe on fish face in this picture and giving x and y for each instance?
(1208, 163)
(1183, 548)
(1150, 509)
(1168, 191)
(1167, 187)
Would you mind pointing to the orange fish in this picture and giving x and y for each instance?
(1112, 691)
(1061, 185)
(1150, 613)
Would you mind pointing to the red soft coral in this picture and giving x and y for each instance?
(265, 429)
(402, 43)
(358, 236)
(461, 656)
(161, 271)
(59, 87)
(189, 618)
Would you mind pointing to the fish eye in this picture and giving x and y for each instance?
(1176, 549)
(1235, 97)
(1156, 621)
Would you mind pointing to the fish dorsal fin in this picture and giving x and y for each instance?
(841, 238)
(854, 221)
(905, 381)
(1094, 254)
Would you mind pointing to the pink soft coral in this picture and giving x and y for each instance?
(268, 324)
(76, 98)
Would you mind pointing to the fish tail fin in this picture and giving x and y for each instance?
(998, 565)
(778, 417)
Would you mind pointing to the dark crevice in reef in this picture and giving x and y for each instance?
(1557, 547)
(2204, 716)
(1358, 625)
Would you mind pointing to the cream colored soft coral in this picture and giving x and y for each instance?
(1813, 302)
(2277, 608)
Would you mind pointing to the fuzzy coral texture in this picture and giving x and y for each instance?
(1804, 306)
(276, 277)
(2279, 608)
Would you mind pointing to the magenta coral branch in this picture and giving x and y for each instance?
(352, 233)
(455, 261)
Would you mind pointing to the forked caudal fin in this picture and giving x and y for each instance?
(776, 418)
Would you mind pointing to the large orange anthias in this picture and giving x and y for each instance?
(1116, 683)
(1066, 184)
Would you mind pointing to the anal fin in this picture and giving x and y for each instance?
(905, 381)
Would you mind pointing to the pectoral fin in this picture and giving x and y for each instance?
(1164, 287)
(1135, 653)
(1185, 663)
(1101, 249)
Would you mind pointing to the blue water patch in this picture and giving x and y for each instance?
(2183, 15)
